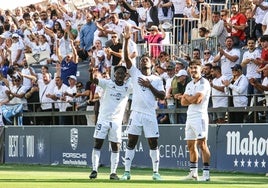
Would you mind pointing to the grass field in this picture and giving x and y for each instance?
(35, 176)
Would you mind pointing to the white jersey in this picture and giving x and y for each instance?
(143, 99)
(226, 64)
(113, 100)
(251, 66)
(218, 99)
(198, 110)
(59, 94)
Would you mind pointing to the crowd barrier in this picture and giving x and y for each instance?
(233, 147)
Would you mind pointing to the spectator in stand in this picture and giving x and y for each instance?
(163, 59)
(4, 99)
(165, 14)
(196, 54)
(239, 87)
(87, 33)
(70, 32)
(250, 62)
(262, 86)
(170, 102)
(218, 94)
(250, 29)
(17, 50)
(154, 37)
(227, 57)
(263, 61)
(114, 53)
(178, 88)
(25, 71)
(178, 6)
(236, 26)
(190, 12)
(264, 24)
(69, 98)
(16, 94)
(206, 17)
(218, 29)
(68, 63)
(46, 86)
(259, 11)
(57, 96)
(208, 57)
(152, 11)
(46, 21)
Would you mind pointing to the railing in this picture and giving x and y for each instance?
(254, 110)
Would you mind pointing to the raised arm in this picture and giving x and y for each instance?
(127, 36)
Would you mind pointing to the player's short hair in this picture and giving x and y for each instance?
(120, 67)
(195, 62)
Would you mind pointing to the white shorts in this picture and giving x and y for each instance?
(139, 122)
(112, 129)
(196, 129)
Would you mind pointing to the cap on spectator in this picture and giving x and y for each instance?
(126, 12)
(38, 21)
(153, 28)
(112, 2)
(236, 67)
(182, 72)
(100, 53)
(167, 25)
(170, 66)
(95, 10)
(72, 77)
(2, 36)
(15, 35)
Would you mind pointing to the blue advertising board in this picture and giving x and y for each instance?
(241, 148)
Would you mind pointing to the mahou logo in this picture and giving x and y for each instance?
(74, 138)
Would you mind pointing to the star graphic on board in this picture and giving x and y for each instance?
(263, 163)
(249, 163)
(235, 162)
(242, 163)
(256, 163)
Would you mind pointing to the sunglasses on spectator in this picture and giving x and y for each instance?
(114, 36)
(206, 52)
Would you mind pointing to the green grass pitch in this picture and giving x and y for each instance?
(39, 176)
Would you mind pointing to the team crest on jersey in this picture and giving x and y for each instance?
(74, 138)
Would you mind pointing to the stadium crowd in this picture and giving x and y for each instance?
(65, 35)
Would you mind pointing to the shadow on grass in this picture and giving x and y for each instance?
(224, 181)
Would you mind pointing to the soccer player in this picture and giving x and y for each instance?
(196, 97)
(146, 88)
(112, 108)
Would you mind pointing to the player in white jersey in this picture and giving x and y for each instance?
(146, 88)
(196, 97)
(112, 108)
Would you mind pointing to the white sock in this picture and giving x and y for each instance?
(95, 157)
(154, 154)
(114, 161)
(129, 155)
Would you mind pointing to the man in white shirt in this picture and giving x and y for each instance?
(218, 29)
(227, 57)
(219, 98)
(239, 88)
(112, 108)
(196, 97)
(143, 116)
(252, 65)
